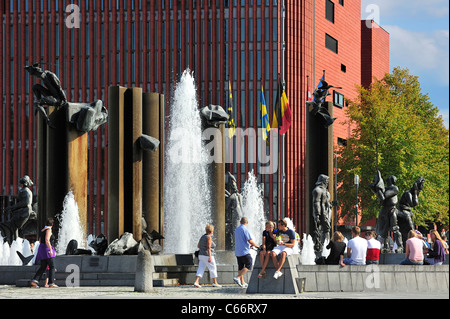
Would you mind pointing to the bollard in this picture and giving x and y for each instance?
(144, 272)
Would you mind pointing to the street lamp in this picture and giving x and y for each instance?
(356, 186)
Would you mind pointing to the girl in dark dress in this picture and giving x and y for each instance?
(268, 243)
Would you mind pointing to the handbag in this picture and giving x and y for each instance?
(196, 253)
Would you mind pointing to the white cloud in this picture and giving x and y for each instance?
(408, 8)
(421, 51)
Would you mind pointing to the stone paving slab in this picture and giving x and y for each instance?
(207, 292)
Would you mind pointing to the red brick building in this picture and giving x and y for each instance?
(148, 43)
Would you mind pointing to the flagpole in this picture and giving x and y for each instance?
(281, 139)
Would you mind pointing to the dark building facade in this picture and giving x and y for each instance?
(148, 44)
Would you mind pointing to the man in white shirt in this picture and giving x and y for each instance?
(356, 249)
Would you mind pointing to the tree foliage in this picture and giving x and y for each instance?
(399, 131)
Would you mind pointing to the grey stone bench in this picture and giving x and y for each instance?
(332, 278)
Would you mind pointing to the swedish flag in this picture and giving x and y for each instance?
(264, 117)
(231, 123)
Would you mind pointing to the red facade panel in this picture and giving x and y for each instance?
(103, 52)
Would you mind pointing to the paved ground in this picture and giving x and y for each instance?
(229, 292)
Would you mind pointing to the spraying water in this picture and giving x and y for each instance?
(8, 255)
(253, 207)
(187, 199)
(307, 255)
(70, 225)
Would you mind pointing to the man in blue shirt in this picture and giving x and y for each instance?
(242, 242)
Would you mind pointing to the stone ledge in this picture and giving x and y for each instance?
(324, 278)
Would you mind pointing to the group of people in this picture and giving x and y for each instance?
(277, 244)
(419, 252)
(366, 251)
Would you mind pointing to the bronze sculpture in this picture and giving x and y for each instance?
(387, 218)
(321, 213)
(20, 212)
(409, 199)
(233, 210)
(85, 117)
(214, 116)
(319, 110)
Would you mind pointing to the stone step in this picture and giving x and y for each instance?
(103, 282)
(105, 279)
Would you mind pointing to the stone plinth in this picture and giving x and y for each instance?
(286, 284)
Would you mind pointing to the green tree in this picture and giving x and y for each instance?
(399, 131)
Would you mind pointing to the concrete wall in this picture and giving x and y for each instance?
(375, 278)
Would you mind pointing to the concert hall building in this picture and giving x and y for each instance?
(149, 43)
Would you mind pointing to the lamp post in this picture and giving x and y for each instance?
(356, 186)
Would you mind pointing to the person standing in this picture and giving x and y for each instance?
(243, 241)
(373, 249)
(206, 257)
(356, 249)
(45, 254)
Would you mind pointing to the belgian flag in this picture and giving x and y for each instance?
(282, 114)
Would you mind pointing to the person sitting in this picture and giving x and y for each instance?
(337, 249)
(436, 254)
(373, 249)
(414, 250)
(356, 249)
(285, 245)
(268, 244)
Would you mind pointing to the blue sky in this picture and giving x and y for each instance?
(419, 41)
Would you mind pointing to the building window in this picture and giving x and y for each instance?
(329, 11)
(343, 68)
(341, 2)
(342, 142)
(338, 99)
(331, 43)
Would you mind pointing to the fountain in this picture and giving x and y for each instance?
(70, 225)
(308, 255)
(8, 255)
(187, 201)
(253, 207)
(290, 225)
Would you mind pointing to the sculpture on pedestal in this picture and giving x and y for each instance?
(387, 218)
(20, 212)
(321, 213)
(233, 210)
(85, 116)
(319, 99)
(214, 115)
(409, 199)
